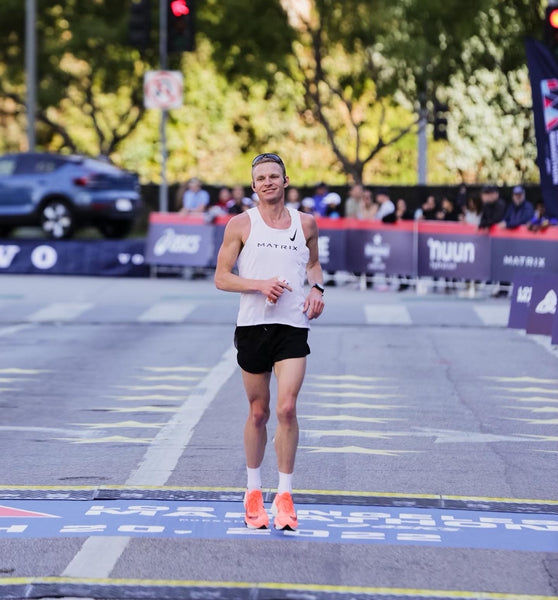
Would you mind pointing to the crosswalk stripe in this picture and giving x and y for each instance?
(167, 312)
(495, 316)
(59, 311)
(387, 314)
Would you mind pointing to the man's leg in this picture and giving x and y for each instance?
(290, 374)
(255, 438)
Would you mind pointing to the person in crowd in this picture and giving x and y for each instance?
(539, 221)
(368, 208)
(240, 203)
(293, 198)
(353, 201)
(319, 194)
(308, 205)
(195, 199)
(402, 211)
(461, 198)
(385, 206)
(472, 211)
(333, 209)
(519, 212)
(447, 211)
(493, 207)
(275, 249)
(427, 210)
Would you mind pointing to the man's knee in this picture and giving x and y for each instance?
(286, 412)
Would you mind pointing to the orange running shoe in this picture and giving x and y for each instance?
(256, 517)
(284, 512)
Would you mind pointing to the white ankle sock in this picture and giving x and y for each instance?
(254, 479)
(285, 483)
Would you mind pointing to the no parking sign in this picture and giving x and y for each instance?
(163, 89)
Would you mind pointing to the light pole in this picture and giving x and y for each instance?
(31, 70)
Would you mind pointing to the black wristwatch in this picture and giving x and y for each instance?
(319, 287)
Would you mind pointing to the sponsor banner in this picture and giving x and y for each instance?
(332, 244)
(513, 255)
(341, 524)
(445, 252)
(542, 308)
(543, 74)
(521, 301)
(81, 257)
(381, 249)
(180, 243)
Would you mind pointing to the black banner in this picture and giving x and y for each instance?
(543, 74)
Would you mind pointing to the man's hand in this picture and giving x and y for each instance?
(273, 288)
(314, 304)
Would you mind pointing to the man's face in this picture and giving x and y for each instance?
(518, 198)
(381, 198)
(268, 181)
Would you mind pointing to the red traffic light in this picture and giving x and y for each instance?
(179, 8)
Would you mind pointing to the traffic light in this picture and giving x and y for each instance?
(440, 121)
(139, 25)
(181, 26)
(551, 29)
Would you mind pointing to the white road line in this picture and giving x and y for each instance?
(387, 314)
(492, 315)
(14, 329)
(99, 555)
(59, 311)
(166, 312)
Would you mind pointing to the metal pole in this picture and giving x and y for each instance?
(422, 141)
(163, 188)
(31, 70)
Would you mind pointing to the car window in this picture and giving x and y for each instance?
(38, 165)
(7, 166)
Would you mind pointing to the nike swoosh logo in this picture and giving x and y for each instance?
(294, 235)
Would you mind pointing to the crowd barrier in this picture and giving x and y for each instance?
(409, 248)
(121, 258)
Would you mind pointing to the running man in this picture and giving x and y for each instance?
(275, 250)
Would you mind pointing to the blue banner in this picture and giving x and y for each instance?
(543, 74)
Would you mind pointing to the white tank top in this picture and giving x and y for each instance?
(267, 253)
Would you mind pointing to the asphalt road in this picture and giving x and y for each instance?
(426, 468)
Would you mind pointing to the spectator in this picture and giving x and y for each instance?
(308, 205)
(385, 206)
(240, 202)
(352, 203)
(427, 210)
(493, 207)
(195, 199)
(368, 208)
(292, 199)
(539, 220)
(519, 212)
(447, 211)
(402, 211)
(319, 195)
(332, 202)
(472, 211)
(461, 198)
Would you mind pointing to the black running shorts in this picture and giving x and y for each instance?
(261, 346)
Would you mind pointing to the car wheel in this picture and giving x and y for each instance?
(115, 230)
(57, 220)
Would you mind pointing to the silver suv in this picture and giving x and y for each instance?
(63, 193)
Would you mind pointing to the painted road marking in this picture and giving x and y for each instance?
(59, 311)
(493, 315)
(387, 314)
(332, 523)
(157, 466)
(57, 587)
(167, 312)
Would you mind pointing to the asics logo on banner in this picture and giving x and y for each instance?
(277, 246)
(176, 243)
(547, 306)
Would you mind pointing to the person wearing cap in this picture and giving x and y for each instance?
(493, 207)
(319, 194)
(195, 199)
(385, 205)
(519, 212)
(332, 202)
